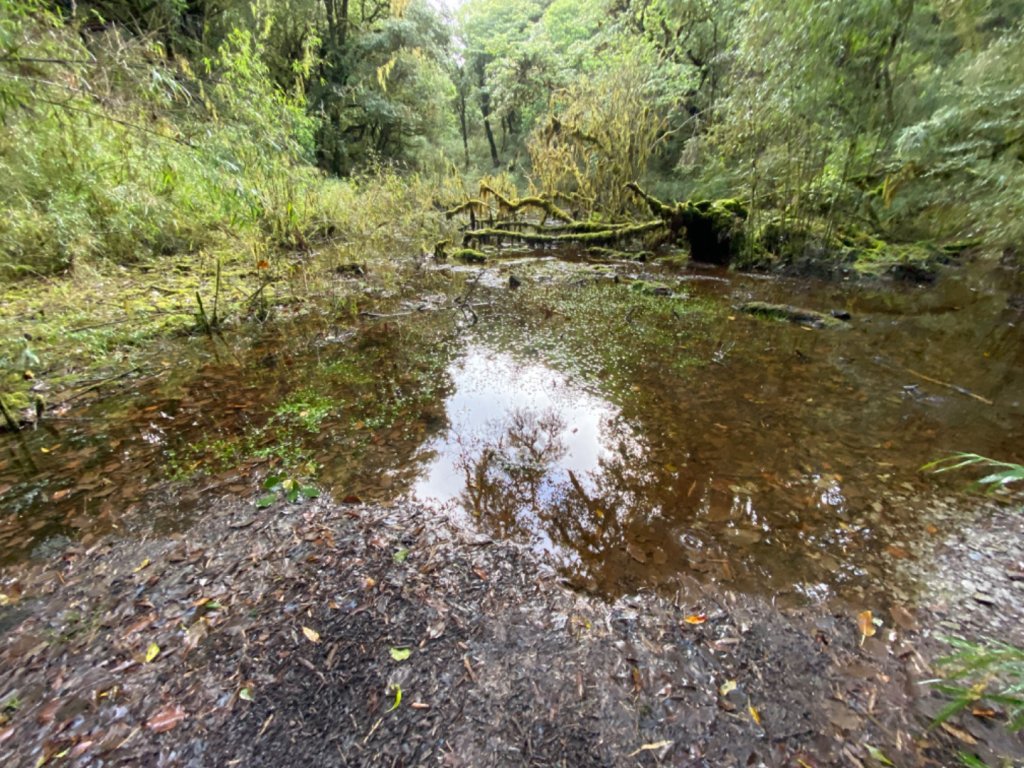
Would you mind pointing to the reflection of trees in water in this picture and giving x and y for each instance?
(517, 484)
(629, 521)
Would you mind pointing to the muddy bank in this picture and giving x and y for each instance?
(266, 638)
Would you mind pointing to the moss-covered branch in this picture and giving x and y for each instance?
(538, 203)
(600, 237)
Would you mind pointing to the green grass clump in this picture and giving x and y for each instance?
(990, 672)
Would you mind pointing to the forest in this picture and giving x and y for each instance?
(137, 129)
(512, 382)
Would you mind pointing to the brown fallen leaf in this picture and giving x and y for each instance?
(635, 552)
(903, 618)
(898, 552)
(166, 719)
(958, 733)
(696, 618)
(979, 711)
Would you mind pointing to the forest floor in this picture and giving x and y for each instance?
(367, 635)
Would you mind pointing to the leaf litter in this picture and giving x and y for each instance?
(513, 669)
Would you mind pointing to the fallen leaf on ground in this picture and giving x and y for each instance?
(152, 652)
(400, 555)
(311, 634)
(245, 694)
(651, 747)
(144, 564)
(696, 618)
(165, 719)
(958, 733)
(866, 624)
(400, 654)
(754, 714)
(878, 755)
(727, 687)
(398, 696)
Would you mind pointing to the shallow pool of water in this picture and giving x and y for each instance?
(639, 439)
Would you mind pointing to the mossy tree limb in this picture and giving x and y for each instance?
(601, 237)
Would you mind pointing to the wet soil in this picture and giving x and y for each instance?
(275, 636)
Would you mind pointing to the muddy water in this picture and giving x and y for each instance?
(638, 440)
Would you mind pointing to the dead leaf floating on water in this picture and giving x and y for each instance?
(311, 634)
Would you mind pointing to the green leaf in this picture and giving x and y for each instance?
(266, 500)
(272, 482)
(245, 694)
(878, 755)
(971, 761)
(310, 491)
(398, 696)
(401, 654)
(292, 495)
(400, 555)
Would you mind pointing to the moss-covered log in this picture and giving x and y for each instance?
(710, 227)
(601, 237)
(798, 315)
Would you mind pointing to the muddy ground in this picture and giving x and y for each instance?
(278, 637)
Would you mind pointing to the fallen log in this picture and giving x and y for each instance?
(600, 237)
(806, 317)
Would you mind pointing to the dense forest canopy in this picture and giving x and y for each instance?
(136, 126)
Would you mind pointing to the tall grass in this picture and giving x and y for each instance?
(111, 150)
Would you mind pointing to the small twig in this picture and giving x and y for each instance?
(98, 384)
(947, 385)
